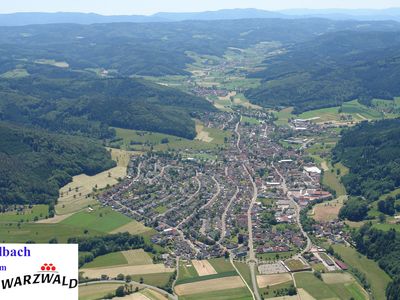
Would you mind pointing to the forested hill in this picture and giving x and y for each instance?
(34, 164)
(372, 153)
(89, 106)
(156, 48)
(330, 69)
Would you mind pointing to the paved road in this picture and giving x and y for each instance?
(223, 218)
(252, 259)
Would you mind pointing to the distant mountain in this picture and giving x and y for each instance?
(346, 14)
(20, 19)
(224, 14)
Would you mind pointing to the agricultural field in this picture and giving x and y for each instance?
(211, 285)
(25, 214)
(79, 193)
(273, 279)
(186, 270)
(231, 294)
(244, 270)
(112, 272)
(97, 291)
(376, 277)
(203, 267)
(340, 286)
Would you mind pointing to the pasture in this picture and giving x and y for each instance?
(99, 219)
(25, 214)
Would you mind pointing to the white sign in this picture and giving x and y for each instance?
(39, 271)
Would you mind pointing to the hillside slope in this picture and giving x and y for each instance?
(372, 153)
(331, 69)
(34, 164)
(89, 105)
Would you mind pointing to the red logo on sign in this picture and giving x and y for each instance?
(48, 268)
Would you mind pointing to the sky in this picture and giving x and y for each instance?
(128, 7)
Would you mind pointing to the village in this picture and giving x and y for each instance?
(205, 208)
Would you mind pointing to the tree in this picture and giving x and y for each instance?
(120, 291)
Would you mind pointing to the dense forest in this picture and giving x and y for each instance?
(330, 69)
(371, 151)
(72, 103)
(34, 164)
(384, 247)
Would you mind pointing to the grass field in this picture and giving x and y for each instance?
(252, 121)
(275, 255)
(376, 277)
(186, 271)
(78, 194)
(97, 291)
(110, 259)
(244, 270)
(100, 219)
(231, 294)
(41, 233)
(315, 287)
(25, 214)
(221, 265)
(272, 290)
(144, 140)
(154, 279)
(331, 178)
